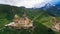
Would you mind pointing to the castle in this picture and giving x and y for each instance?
(22, 22)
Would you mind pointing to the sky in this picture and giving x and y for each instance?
(29, 3)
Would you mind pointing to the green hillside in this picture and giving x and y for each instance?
(41, 20)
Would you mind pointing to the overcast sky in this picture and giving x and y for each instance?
(28, 3)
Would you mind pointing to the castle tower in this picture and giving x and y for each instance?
(15, 19)
(24, 20)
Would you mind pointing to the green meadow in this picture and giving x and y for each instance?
(41, 19)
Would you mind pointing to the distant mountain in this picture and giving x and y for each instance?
(53, 10)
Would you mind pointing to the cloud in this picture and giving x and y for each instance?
(30, 3)
(26, 3)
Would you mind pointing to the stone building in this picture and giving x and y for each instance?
(22, 22)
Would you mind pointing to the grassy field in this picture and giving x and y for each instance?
(41, 25)
(39, 29)
(41, 19)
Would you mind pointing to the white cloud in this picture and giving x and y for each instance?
(30, 3)
(26, 3)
